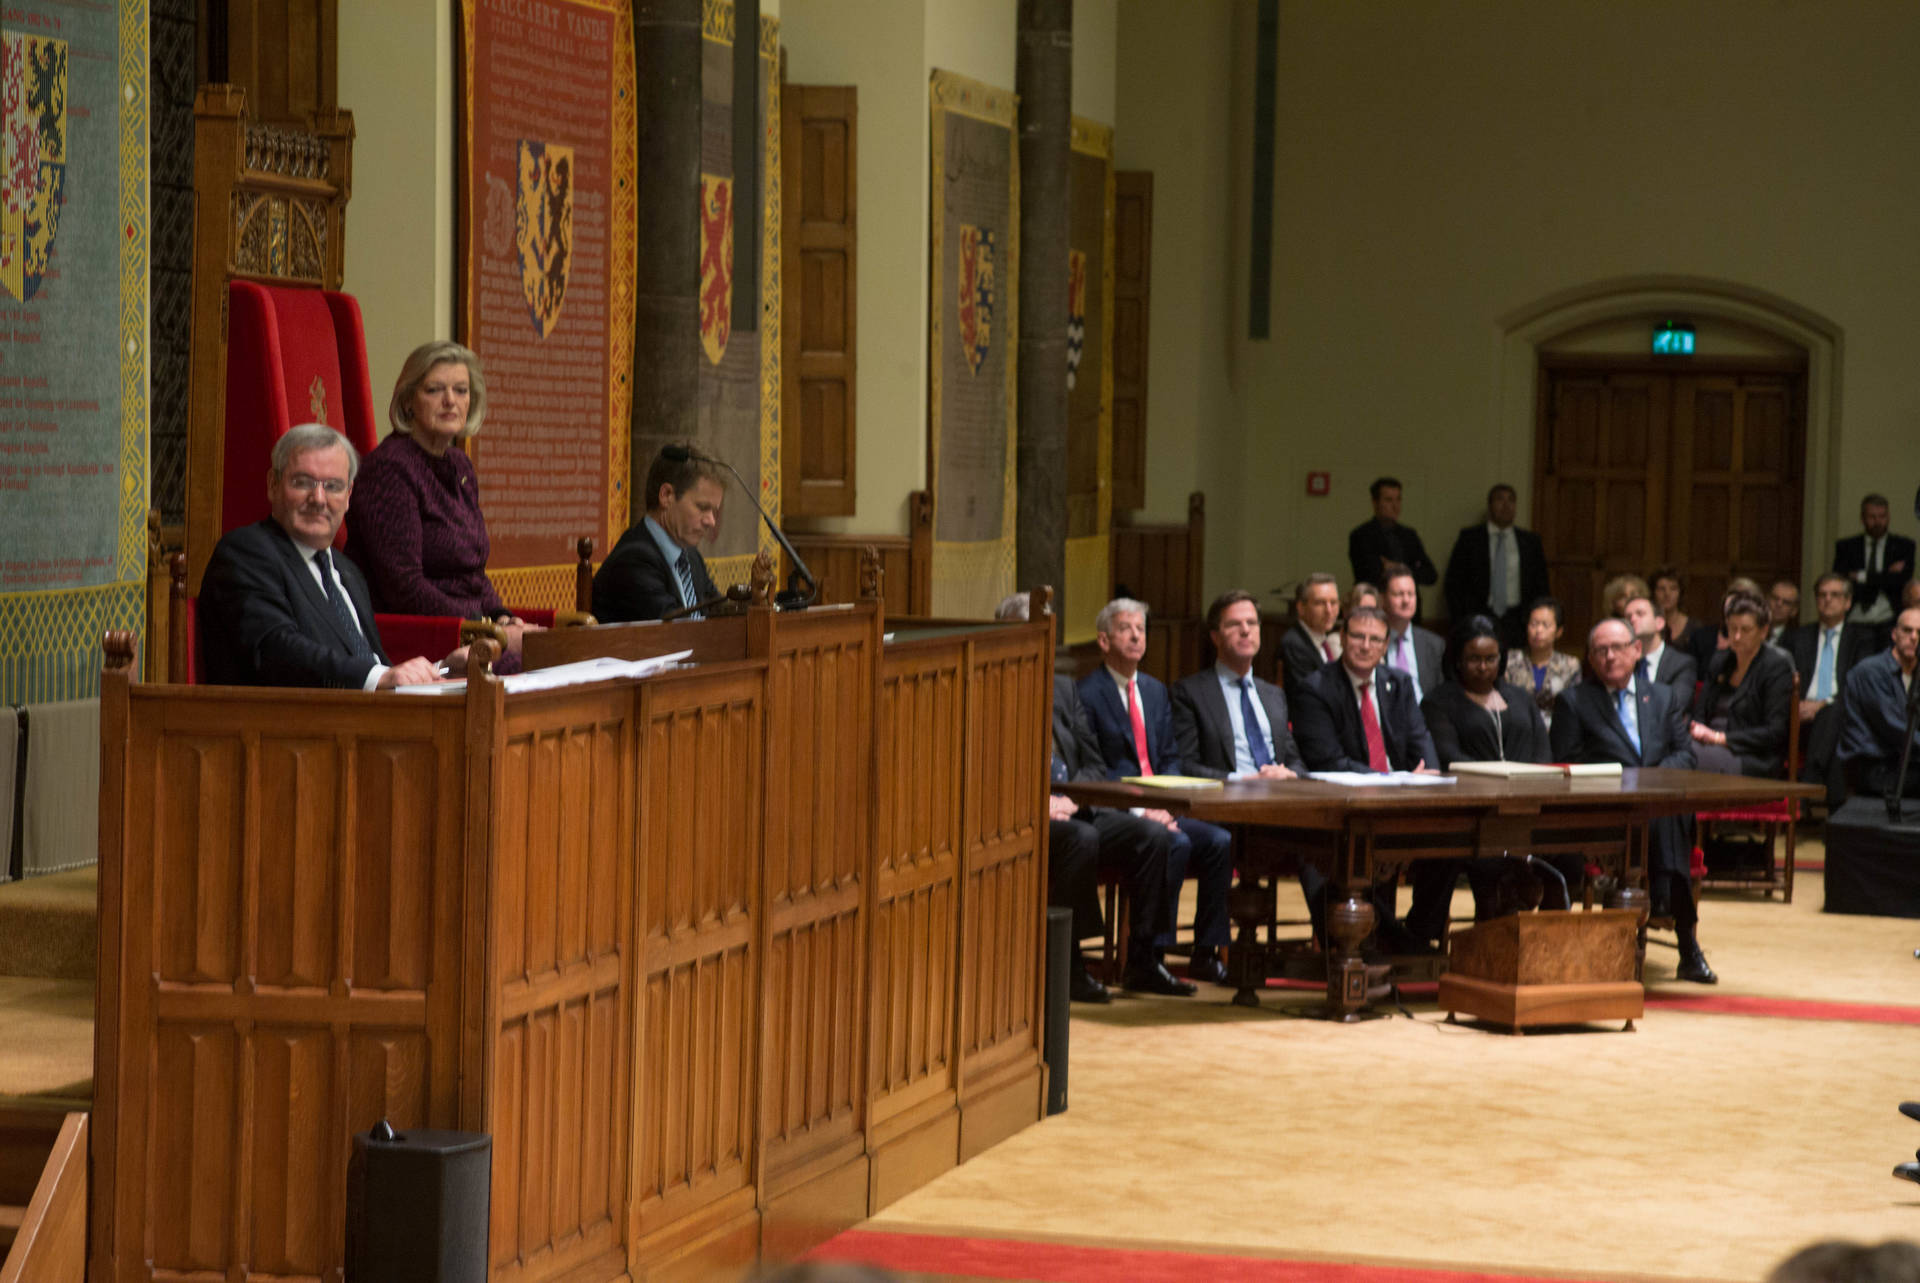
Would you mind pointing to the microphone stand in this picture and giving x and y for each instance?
(791, 599)
(1899, 785)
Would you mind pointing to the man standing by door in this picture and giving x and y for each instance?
(1878, 563)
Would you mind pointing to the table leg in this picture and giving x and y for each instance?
(1348, 923)
(1251, 904)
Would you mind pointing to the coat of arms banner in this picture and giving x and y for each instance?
(73, 365)
(972, 332)
(1089, 377)
(546, 227)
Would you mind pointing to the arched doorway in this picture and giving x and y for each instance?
(1700, 461)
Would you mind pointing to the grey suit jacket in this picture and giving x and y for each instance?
(1429, 652)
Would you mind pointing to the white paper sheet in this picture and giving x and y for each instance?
(541, 679)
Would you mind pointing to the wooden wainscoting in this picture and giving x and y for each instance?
(1164, 566)
(906, 562)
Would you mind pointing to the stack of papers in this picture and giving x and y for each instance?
(575, 674)
(1513, 770)
(1369, 779)
(1171, 781)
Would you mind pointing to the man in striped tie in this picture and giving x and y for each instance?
(657, 567)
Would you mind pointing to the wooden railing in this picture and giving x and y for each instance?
(43, 1196)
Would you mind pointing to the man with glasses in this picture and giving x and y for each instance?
(1783, 611)
(1626, 719)
(1362, 715)
(278, 606)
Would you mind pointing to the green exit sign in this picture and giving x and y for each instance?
(1675, 338)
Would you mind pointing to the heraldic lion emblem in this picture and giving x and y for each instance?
(33, 157)
(716, 265)
(976, 294)
(543, 229)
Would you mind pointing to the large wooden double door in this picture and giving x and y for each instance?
(1638, 465)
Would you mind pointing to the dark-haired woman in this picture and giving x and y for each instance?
(1740, 715)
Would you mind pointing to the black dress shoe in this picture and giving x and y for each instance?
(1908, 1172)
(1911, 1108)
(1207, 968)
(1084, 988)
(1154, 978)
(1693, 967)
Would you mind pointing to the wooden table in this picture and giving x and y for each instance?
(1355, 833)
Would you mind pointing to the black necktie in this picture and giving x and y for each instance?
(341, 610)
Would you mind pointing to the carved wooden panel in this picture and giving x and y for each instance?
(819, 153)
(922, 718)
(835, 563)
(698, 899)
(1002, 897)
(818, 843)
(287, 935)
(562, 886)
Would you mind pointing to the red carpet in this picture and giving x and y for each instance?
(996, 1258)
(1787, 1008)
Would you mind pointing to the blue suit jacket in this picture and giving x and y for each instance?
(1586, 728)
(1876, 706)
(1114, 729)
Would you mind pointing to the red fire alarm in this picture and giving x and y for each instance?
(1319, 484)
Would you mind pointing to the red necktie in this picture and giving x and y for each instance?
(1139, 728)
(1327, 647)
(1370, 722)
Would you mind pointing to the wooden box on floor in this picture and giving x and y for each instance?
(1552, 968)
(723, 959)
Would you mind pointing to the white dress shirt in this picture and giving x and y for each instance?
(307, 554)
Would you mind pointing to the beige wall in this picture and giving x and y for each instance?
(396, 77)
(1442, 169)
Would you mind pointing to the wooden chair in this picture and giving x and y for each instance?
(1778, 819)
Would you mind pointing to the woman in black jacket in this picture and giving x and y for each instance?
(1740, 714)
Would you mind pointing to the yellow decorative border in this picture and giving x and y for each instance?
(1088, 571)
(716, 21)
(970, 578)
(552, 587)
(735, 570)
(50, 641)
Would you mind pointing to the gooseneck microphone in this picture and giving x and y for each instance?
(789, 600)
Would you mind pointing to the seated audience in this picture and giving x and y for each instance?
(1879, 564)
(1783, 610)
(420, 535)
(1084, 840)
(1659, 662)
(1361, 594)
(1707, 641)
(657, 567)
(278, 607)
(1619, 590)
(1824, 653)
(1382, 539)
(1132, 719)
(1360, 715)
(1227, 723)
(1476, 717)
(1314, 638)
(1741, 712)
(1618, 718)
(1539, 668)
(1874, 709)
(1412, 649)
(1496, 568)
(1680, 627)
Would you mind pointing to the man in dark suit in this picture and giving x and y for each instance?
(1227, 723)
(1081, 840)
(657, 567)
(1497, 569)
(1879, 564)
(1132, 720)
(1824, 653)
(1875, 711)
(1621, 718)
(1410, 648)
(1361, 715)
(1373, 543)
(1314, 638)
(1659, 662)
(278, 606)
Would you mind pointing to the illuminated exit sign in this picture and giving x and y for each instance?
(1675, 338)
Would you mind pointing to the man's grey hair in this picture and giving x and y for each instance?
(1103, 622)
(1602, 623)
(1014, 607)
(312, 436)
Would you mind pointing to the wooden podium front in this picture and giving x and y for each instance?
(1552, 968)
(723, 959)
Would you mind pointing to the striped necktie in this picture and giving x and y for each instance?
(683, 568)
(341, 611)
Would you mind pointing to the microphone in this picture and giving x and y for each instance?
(789, 600)
(1535, 861)
(737, 593)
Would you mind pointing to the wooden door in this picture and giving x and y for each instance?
(819, 134)
(1639, 465)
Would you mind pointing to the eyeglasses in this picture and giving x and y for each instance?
(1366, 639)
(301, 483)
(1607, 648)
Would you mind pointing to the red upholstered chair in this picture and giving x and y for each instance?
(299, 355)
